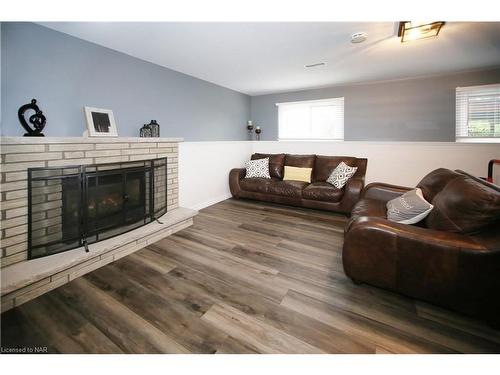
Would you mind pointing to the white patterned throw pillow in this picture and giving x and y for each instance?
(341, 174)
(409, 208)
(257, 168)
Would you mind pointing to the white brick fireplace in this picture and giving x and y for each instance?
(24, 279)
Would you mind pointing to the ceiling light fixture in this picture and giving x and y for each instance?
(315, 65)
(411, 30)
(358, 37)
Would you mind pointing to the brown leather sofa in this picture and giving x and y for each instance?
(319, 194)
(452, 258)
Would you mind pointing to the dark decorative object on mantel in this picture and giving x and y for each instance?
(150, 130)
(145, 131)
(155, 128)
(38, 120)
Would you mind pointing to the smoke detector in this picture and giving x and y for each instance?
(358, 37)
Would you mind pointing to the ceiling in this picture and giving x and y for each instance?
(261, 58)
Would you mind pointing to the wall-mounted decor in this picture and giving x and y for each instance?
(250, 128)
(258, 130)
(37, 119)
(100, 122)
(150, 130)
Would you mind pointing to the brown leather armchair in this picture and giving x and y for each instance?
(318, 194)
(452, 258)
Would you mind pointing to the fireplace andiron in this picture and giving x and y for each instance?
(38, 120)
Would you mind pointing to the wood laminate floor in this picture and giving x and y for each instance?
(247, 277)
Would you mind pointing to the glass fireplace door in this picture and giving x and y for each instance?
(74, 206)
(104, 202)
(114, 199)
(135, 196)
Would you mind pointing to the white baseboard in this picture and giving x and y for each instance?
(211, 202)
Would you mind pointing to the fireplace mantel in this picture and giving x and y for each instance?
(86, 140)
(20, 153)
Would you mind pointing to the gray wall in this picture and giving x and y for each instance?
(421, 109)
(65, 74)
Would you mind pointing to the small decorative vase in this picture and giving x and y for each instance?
(155, 129)
(145, 131)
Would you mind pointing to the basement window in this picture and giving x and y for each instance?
(311, 120)
(478, 113)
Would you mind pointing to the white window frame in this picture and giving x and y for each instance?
(461, 114)
(313, 102)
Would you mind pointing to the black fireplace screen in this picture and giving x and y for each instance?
(74, 206)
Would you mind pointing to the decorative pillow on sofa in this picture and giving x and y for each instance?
(297, 174)
(341, 174)
(276, 163)
(409, 208)
(257, 168)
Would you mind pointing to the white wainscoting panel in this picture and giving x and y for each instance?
(204, 166)
(401, 163)
(204, 170)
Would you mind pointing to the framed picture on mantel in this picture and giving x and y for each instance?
(100, 122)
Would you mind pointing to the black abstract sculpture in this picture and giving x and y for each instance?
(38, 120)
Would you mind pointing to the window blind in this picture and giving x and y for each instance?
(478, 113)
(311, 120)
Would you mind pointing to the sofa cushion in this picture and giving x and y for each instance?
(324, 165)
(435, 181)
(287, 188)
(256, 184)
(322, 191)
(301, 161)
(276, 163)
(465, 206)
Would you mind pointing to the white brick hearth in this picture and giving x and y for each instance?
(23, 280)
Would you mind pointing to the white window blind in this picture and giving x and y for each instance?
(311, 120)
(478, 113)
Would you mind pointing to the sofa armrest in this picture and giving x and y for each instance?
(383, 192)
(419, 262)
(352, 194)
(449, 269)
(235, 175)
(420, 235)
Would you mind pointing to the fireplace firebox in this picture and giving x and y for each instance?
(74, 206)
